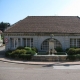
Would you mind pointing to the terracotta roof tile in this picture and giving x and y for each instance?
(55, 24)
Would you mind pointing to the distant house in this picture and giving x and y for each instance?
(35, 31)
(1, 41)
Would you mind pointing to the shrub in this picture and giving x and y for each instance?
(8, 53)
(20, 47)
(26, 53)
(17, 53)
(78, 56)
(71, 51)
(43, 53)
(71, 57)
(59, 49)
(27, 48)
(34, 49)
(26, 56)
(31, 52)
(67, 50)
(22, 51)
(73, 54)
(77, 51)
(13, 55)
(23, 56)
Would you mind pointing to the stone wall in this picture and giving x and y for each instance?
(49, 58)
(64, 39)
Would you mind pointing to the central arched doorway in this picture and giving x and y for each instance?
(45, 44)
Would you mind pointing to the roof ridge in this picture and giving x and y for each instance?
(52, 16)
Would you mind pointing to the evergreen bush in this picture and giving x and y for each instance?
(34, 49)
(71, 57)
(59, 49)
(27, 48)
(73, 51)
(20, 47)
(8, 53)
(26, 53)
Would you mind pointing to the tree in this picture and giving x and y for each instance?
(4, 26)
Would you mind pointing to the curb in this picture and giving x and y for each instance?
(26, 62)
(4, 59)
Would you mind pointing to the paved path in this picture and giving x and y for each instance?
(67, 67)
(12, 71)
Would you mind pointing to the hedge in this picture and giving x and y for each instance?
(20, 52)
(20, 47)
(71, 57)
(73, 51)
(8, 53)
(25, 56)
(73, 54)
(27, 48)
(59, 49)
(34, 49)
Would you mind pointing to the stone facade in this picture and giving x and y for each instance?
(63, 39)
(35, 31)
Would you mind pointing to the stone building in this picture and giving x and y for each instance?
(35, 31)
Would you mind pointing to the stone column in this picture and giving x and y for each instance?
(21, 41)
(14, 43)
(51, 45)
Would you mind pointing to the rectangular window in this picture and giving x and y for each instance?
(75, 42)
(28, 42)
(78, 42)
(12, 42)
(19, 42)
(16, 43)
(31, 42)
(24, 42)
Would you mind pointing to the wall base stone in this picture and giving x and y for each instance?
(49, 58)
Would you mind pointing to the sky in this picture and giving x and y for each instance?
(12, 11)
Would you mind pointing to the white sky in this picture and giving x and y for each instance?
(72, 10)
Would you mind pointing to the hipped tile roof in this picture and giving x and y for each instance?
(51, 24)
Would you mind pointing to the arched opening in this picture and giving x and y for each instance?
(45, 44)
